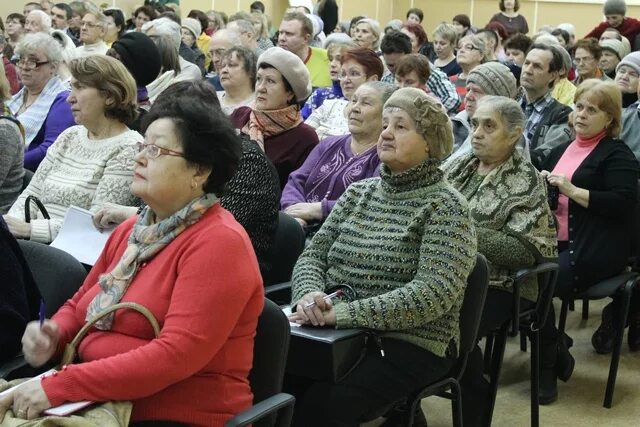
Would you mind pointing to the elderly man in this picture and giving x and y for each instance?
(295, 34)
(92, 31)
(37, 21)
(221, 40)
(61, 14)
(247, 34)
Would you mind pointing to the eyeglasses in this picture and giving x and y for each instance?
(89, 25)
(351, 74)
(586, 59)
(30, 64)
(467, 47)
(153, 151)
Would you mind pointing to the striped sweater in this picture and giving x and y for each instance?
(406, 243)
(82, 172)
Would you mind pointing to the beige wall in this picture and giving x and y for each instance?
(584, 15)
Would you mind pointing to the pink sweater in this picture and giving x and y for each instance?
(206, 291)
(570, 161)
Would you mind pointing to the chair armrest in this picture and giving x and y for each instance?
(545, 294)
(280, 293)
(10, 366)
(268, 406)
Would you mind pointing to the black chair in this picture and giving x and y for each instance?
(287, 246)
(271, 408)
(58, 276)
(527, 322)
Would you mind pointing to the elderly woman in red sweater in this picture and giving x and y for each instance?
(187, 260)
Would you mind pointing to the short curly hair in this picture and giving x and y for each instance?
(113, 80)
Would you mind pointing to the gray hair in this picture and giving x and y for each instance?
(101, 18)
(244, 26)
(569, 28)
(40, 42)
(507, 109)
(338, 39)
(45, 20)
(165, 27)
(375, 29)
(385, 89)
(232, 35)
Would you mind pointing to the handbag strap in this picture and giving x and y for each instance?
(27, 208)
(71, 348)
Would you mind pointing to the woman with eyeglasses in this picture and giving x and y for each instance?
(358, 65)
(89, 164)
(587, 59)
(41, 104)
(471, 53)
(184, 258)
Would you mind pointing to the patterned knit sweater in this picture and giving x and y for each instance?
(82, 172)
(406, 244)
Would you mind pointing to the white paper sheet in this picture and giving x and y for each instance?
(79, 237)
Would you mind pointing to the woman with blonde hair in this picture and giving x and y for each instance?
(261, 25)
(445, 37)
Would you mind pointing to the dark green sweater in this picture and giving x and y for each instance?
(406, 243)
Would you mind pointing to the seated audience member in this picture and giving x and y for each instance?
(142, 58)
(78, 10)
(409, 286)
(142, 15)
(115, 25)
(275, 123)
(261, 27)
(366, 34)
(614, 12)
(562, 36)
(41, 104)
(183, 255)
(247, 32)
(69, 52)
(490, 78)
(514, 224)
(393, 25)
(11, 151)
(92, 32)
(419, 40)
(15, 30)
(471, 53)
(445, 40)
(415, 16)
(612, 53)
(627, 72)
(61, 14)
(463, 27)
(328, 12)
(19, 295)
(169, 32)
(597, 179)
(338, 161)
(190, 30)
(102, 99)
(545, 118)
(512, 21)
(202, 39)
(37, 21)
(563, 90)
(343, 27)
(238, 78)
(359, 65)
(9, 69)
(587, 58)
(494, 34)
(221, 41)
(516, 48)
(413, 70)
(571, 30)
(322, 94)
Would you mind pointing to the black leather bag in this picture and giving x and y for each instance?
(27, 208)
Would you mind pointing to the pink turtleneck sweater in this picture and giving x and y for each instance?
(572, 158)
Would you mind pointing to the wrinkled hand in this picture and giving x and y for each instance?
(316, 314)
(39, 345)
(306, 211)
(111, 214)
(27, 401)
(19, 228)
(564, 185)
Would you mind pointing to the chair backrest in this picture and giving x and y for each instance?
(473, 304)
(288, 244)
(635, 235)
(57, 274)
(269, 353)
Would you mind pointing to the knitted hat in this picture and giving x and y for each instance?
(615, 46)
(495, 79)
(192, 25)
(631, 60)
(615, 7)
(292, 69)
(429, 116)
(140, 55)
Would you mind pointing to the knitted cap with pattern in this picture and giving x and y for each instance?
(495, 79)
(615, 7)
(615, 46)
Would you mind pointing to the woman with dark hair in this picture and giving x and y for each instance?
(419, 40)
(587, 60)
(358, 65)
(103, 100)
(15, 31)
(495, 45)
(275, 122)
(184, 258)
(141, 16)
(415, 15)
(462, 23)
(115, 26)
(238, 79)
(509, 17)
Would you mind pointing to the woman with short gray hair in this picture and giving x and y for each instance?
(41, 105)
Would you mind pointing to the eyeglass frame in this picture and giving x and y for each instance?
(468, 46)
(36, 64)
(142, 146)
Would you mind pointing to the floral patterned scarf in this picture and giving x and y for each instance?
(263, 124)
(146, 240)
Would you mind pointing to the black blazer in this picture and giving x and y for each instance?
(600, 235)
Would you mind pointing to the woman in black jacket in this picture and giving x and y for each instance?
(19, 296)
(596, 177)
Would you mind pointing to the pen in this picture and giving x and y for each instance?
(41, 313)
(326, 298)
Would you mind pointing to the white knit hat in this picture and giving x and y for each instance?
(192, 25)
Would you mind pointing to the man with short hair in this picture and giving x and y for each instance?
(31, 6)
(295, 34)
(37, 22)
(257, 6)
(61, 13)
(394, 46)
(247, 34)
(546, 118)
(221, 41)
(614, 12)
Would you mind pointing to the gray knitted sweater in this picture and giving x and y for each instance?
(11, 159)
(406, 243)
